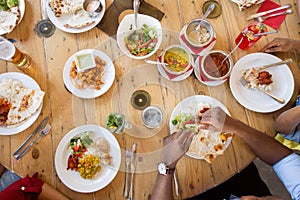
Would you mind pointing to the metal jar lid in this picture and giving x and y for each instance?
(45, 28)
(152, 117)
(216, 12)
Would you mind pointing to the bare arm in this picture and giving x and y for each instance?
(281, 45)
(287, 122)
(175, 146)
(49, 193)
(265, 147)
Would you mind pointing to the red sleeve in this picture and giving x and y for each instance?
(27, 188)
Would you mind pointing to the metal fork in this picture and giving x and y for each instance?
(127, 163)
(43, 133)
(278, 99)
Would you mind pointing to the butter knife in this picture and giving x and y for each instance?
(268, 11)
(37, 130)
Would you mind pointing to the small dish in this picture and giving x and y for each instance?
(201, 37)
(125, 29)
(84, 62)
(211, 65)
(177, 58)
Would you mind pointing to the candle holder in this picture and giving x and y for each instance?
(45, 28)
(140, 99)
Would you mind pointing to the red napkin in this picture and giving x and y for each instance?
(273, 22)
(172, 76)
(195, 50)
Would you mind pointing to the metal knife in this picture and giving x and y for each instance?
(132, 171)
(269, 11)
(37, 130)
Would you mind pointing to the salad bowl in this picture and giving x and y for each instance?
(142, 42)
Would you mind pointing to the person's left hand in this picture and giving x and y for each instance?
(175, 146)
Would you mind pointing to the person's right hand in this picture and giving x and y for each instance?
(281, 45)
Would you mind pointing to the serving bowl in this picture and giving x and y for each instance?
(177, 59)
(201, 37)
(126, 36)
(211, 65)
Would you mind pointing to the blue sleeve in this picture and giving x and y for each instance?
(288, 170)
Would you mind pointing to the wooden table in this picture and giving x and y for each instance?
(67, 112)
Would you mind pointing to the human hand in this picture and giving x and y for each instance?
(281, 45)
(213, 119)
(175, 146)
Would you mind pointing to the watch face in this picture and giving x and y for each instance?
(162, 168)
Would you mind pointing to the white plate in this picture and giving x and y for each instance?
(71, 178)
(197, 74)
(29, 83)
(108, 77)
(124, 30)
(22, 12)
(190, 105)
(60, 21)
(283, 85)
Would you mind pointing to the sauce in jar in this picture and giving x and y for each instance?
(212, 65)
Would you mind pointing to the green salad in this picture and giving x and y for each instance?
(142, 41)
(7, 4)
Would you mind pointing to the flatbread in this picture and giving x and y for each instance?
(26, 103)
(9, 19)
(244, 4)
(63, 7)
(208, 145)
(79, 20)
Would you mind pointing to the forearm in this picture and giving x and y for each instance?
(287, 121)
(163, 188)
(265, 147)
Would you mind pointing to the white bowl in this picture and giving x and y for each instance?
(125, 28)
(227, 62)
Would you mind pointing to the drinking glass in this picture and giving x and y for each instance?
(9, 52)
(116, 123)
(247, 36)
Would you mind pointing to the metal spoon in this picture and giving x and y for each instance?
(208, 11)
(155, 62)
(136, 5)
(263, 18)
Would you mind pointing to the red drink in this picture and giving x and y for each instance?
(246, 38)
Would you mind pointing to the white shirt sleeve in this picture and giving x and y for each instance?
(288, 170)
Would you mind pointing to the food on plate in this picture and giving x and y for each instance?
(255, 78)
(87, 155)
(142, 41)
(76, 16)
(244, 4)
(63, 7)
(177, 58)
(4, 109)
(213, 67)
(89, 78)
(79, 20)
(9, 17)
(24, 102)
(206, 144)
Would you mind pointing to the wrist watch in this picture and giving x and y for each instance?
(164, 169)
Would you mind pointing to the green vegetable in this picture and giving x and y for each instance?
(3, 5)
(12, 3)
(85, 139)
(114, 121)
